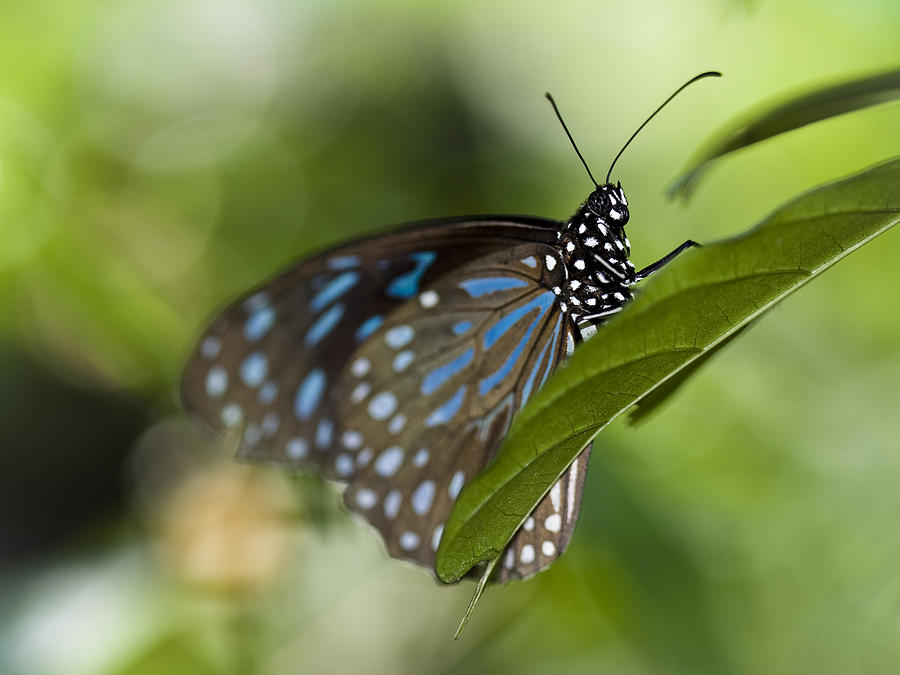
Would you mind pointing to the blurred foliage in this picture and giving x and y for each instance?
(158, 157)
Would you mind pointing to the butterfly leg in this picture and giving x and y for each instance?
(665, 260)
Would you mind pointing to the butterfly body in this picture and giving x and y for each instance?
(595, 254)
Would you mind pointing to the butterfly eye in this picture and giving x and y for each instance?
(598, 202)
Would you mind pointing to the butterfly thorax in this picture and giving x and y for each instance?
(595, 253)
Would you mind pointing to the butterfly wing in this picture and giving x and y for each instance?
(545, 534)
(267, 365)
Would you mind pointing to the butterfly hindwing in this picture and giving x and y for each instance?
(545, 534)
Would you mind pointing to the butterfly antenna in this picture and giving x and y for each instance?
(710, 73)
(571, 140)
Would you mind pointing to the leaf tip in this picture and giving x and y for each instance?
(479, 589)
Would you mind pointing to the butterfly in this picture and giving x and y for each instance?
(395, 364)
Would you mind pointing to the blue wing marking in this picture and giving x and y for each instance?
(499, 329)
(448, 410)
(309, 393)
(433, 380)
(344, 262)
(333, 290)
(486, 285)
(324, 325)
(407, 285)
(529, 385)
(368, 327)
(461, 327)
(259, 322)
(543, 302)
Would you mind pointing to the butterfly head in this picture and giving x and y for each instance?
(608, 203)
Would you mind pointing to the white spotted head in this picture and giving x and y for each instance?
(608, 204)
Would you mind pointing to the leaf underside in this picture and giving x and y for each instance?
(682, 316)
(774, 119)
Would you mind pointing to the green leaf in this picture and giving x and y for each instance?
(786, 115)
(479, 589)
(684, 313)
(656, 398)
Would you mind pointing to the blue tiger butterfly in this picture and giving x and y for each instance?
(395, 364)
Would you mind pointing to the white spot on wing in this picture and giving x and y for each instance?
(550, 262)
(343, 464)
(324, 433)
(548, 548)
(392, 504)
(360, 392)
(216, 381)
(296, 448)
(389, 461)
(429, 299)
(362, 459)
(570, 499)
(397, 423)
(352, 439)
(267, 392)
(553, 522)
(409, 541)
(382, 405)
(211, 347)
(423, 497)
(399, 336)
(402, 360)
(556, 495)
(232, 414)
(526, 555)
(436, 537)
(366, 498)
(456, 484)
(361, 367)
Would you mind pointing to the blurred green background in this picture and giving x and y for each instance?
(159, 156)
